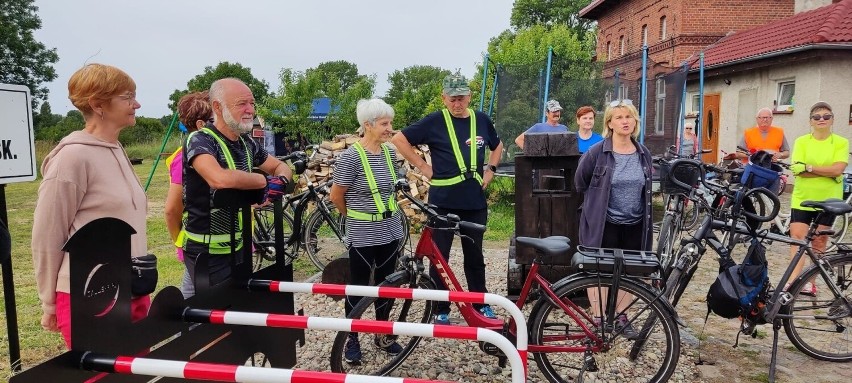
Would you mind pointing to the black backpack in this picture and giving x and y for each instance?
(737, 289)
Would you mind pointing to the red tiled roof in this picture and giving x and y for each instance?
(827, 25)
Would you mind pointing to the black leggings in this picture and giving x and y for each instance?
(474, 262)
(361, 261)
(627, 237)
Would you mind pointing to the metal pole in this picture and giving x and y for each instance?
(643, 102)
(9, 285)
(493, 92)
(163, 146)
(682, 119)
(484, 82)
(547, 81)
(698, 123)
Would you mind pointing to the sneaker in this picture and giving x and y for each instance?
(487, 312)
(442, 319)
(387, 344)
(352, 350)
(623, 326)
(809, 289)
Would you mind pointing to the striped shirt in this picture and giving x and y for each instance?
(349, 172)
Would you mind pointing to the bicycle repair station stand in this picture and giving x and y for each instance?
(546, 203)
(103, 335)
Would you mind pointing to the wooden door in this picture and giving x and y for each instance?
(710, 128)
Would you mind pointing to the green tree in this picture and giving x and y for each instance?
(146, 130)
(45, 117)
(290, 109)
(23, 60)
(224, 69)
(412, 91)
(72, 121)
(527, 13)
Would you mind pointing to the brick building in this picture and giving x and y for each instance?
(674, 31)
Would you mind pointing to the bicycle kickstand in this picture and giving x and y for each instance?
(776, 325)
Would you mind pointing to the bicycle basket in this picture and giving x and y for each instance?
(686, 174)
(756, 176)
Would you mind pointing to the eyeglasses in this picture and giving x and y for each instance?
(764, 117)
(625, 101)
(816, 117)
(687, 128)
(129, 96)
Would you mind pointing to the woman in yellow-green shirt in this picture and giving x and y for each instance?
(819, 159)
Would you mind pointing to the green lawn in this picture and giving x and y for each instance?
(38, 345)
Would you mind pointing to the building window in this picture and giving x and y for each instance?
(659, 117)
(662, 28)
(645, 35)
(608, 97)
(694, 105)
(621, 45)
(622, 92)
(608, 50)
(786, 96)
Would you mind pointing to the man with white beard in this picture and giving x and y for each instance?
(221, 156)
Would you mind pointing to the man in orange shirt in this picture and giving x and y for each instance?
(765, 137)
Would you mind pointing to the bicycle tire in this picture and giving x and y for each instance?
(678, 279)
(263, 236)
(664, 243)
(811, 335)
(374, 361)
(322, 243)
(551, 325)
(840, 226)
(691, 216)
(321, 239)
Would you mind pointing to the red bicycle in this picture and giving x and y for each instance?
(569, 337)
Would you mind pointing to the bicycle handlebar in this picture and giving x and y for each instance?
(776, 204)
(451, 219)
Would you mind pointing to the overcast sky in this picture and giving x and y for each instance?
(164, 43)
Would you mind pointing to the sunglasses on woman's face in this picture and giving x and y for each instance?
(816, 117)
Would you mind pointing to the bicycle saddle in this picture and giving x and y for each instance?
(555, 246)
(832, 205)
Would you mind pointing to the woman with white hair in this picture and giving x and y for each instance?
(688, 143)
(363, 191)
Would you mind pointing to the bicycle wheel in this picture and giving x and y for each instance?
(678, 277)
(691, 215)
(263, 236)
(841, 224)
(551, 326)
(375, 361)
(665, 242)
(821, 325)
(324, 235)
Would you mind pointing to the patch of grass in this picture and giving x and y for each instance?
(501, 221)
(760, 377)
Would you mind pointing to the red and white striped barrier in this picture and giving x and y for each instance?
(401, 293)
(363, 325)
(224, 372)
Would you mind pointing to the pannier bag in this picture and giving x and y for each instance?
(738, 288)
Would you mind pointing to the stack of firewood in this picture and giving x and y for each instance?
(321, 169)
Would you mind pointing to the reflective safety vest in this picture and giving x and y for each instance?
(464, 172)
(754, 140)
(383, 212)
(220, 242)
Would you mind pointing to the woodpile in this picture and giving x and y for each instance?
(321, 169)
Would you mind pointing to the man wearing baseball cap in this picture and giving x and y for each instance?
(553, 111)
(457, 137)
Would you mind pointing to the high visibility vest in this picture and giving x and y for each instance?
(464, 172)
(754, 139)
(220, 242)
(383, 212)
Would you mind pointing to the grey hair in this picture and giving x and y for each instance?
(217, 88)
(689, 125)
(369, 111)
(763, 110)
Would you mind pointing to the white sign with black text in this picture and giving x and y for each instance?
(17, 138)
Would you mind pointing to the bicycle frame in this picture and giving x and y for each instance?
(427, 248)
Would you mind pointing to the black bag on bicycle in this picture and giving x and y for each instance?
(738, 288)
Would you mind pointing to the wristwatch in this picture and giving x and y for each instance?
(809, 168)
(492, 168)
